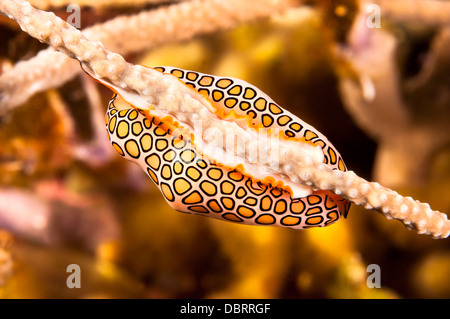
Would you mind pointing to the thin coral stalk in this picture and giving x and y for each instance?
(143, 31)
(145, 86)
(47, 4)
(430, 12)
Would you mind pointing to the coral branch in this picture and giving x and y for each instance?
(52, 215)
(145, 30)
(6, 266)
(411, 213)
(430, 12)
(392, 115)
(47, 4)
(372, 56)
(170, 96)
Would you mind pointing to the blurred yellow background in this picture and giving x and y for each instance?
(106, 216)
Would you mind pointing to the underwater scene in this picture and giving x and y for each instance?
(203, 149)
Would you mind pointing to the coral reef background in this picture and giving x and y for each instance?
(381, 95)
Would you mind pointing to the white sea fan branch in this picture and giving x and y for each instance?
(145, 30)
(112, 68)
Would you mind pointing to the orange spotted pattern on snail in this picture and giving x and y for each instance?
(194, 183)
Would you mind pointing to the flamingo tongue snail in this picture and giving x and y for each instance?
(195, 176)
(154, 118)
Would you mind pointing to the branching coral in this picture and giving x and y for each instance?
(175, 23)
(431, 12)
(162, 91)
(389, 108)
(6, 266)
(47, 4)
(54, 215)
(167, 94)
